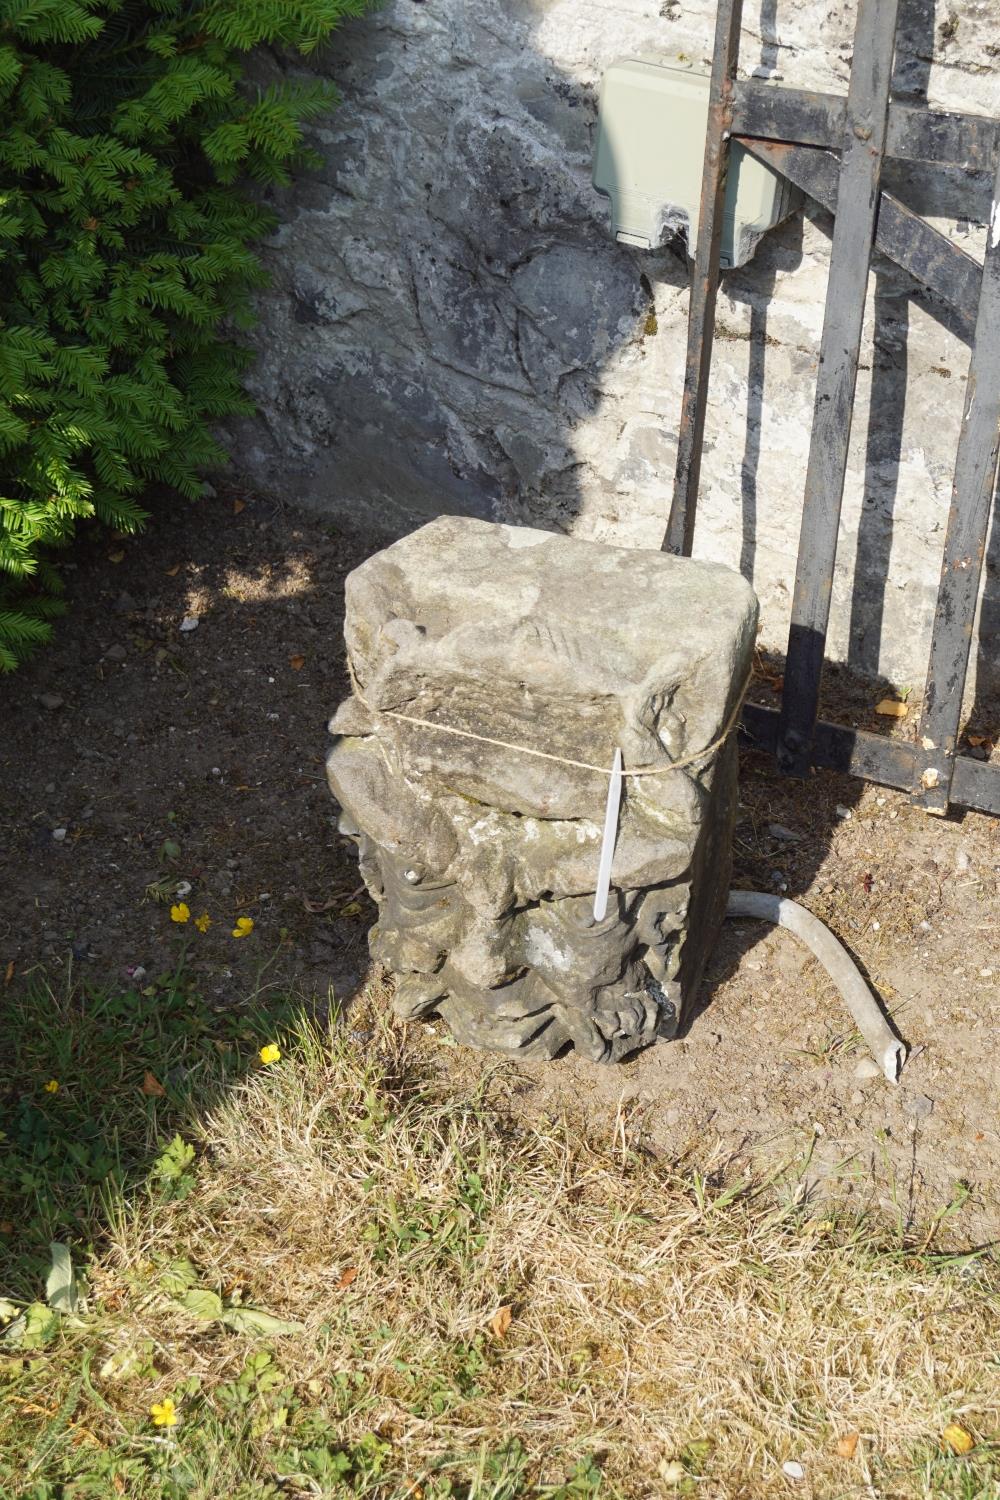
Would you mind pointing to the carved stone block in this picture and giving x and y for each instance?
(537, 654)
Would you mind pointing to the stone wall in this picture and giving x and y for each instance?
(451, 327)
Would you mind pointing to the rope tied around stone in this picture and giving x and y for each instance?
(561, 760)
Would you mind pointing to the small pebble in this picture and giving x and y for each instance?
(857, 1098)
(962, 861)
(189, 622)
(793, 1469)
(51, 701)
(920, 1106)
(779, 831)
(842, 811)
(116, 653)
(868, 1068)
(59, 834)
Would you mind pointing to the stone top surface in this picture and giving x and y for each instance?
(541, 640)
(525, 604)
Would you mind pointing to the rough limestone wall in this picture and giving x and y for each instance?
(452, 328)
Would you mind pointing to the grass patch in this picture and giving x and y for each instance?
(96, 1083)
(340, 1276)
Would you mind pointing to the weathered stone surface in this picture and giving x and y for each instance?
(483, 858)
(451, 328)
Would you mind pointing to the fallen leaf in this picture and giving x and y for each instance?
(202, 1303)
(239, 505)
(957, 1438)
(318, 906)
(62, 1291)
(891, 708)
(847, 1445)
(349, 1276)
(256, 1320)
(8, 973)
(501, 1321)
(296, 662)
(173, 572)
(151, 1087)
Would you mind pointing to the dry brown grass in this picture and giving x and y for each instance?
(653, 1318)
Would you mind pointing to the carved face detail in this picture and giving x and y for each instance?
(497, 937)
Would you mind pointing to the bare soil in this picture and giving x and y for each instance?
(139, 759)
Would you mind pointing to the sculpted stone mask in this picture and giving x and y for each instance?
(483, 858)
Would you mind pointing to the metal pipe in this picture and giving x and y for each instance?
(888, 1051)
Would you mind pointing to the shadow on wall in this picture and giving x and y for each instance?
(467, 348)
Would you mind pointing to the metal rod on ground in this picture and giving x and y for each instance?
(854, 232)
(965, 541)
(705, 280)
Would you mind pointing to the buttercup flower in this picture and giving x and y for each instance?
(180, 913)
(204, 922)
(164, 1413)
(244, 927)
(52, 1087)
(270, 1054)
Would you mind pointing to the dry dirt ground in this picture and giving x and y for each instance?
(138, 758)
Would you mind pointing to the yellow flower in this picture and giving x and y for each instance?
(164, 1413)
(204, 922)
(180, 913)
(244, 927)
(52, 1087)
(270, 1054)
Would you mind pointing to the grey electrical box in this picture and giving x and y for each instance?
(650, 151)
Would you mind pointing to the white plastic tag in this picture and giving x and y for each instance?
(608, 841)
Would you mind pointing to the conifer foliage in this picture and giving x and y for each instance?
(129, 144)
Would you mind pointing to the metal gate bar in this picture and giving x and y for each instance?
(875, 757)
(965, 541)
(705, 283)
(900, 234)
(915, 133)
(783, 127)
(854, 231)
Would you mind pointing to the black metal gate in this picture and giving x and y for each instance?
(796, 132)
